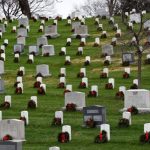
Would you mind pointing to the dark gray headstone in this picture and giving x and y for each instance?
(128, 57)
(10, 145)
(97, 113)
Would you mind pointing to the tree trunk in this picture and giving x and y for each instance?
(25, 7)
(139, 68)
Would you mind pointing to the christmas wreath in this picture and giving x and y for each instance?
(63, 137)
(133, 110)
(90, 123)
(123, 123)
(109, 86)
(5, 105)
(80, 75)
(92, 94)
(31, 104)
(56, 122)
(7, 137)
(102, 137)
(145, 138)
(82, 85)
(71, 107)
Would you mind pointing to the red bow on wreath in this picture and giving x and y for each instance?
(100, 136)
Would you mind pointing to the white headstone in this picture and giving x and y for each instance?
(8, 99)
(67, 58)
(31, 57)
(20, 85)
(54, 148)
(67, 128)
(3, 56)
(63, 71)
(83, 70)
(127, 115)
(146, 127)
(88, 58)
(94, 88)
(135, 81)
(19, 79)
(122, 89)
(148, 56)
(108, 58)
(62, 80)
(127, 70)
(85, 80)
(43, 86)
(106, 127)
(63, 49)
(69, 87)
(22, 69)
(59, 114)
(26, 115)
(34, 98)
(105, 70)
(39, 79)
(97, 40)
(112, 81)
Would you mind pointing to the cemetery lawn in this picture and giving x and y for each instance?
(39, 134)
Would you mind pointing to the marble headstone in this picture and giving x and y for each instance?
(43, 69)
(77, 98)
(139, 98)
(13, 127)
(107, 49)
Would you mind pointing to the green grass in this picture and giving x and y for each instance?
(39, 134)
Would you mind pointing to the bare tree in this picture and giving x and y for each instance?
(26, 7)
(90, 8)
(139, 34)
(10, 8)
(111, 4)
